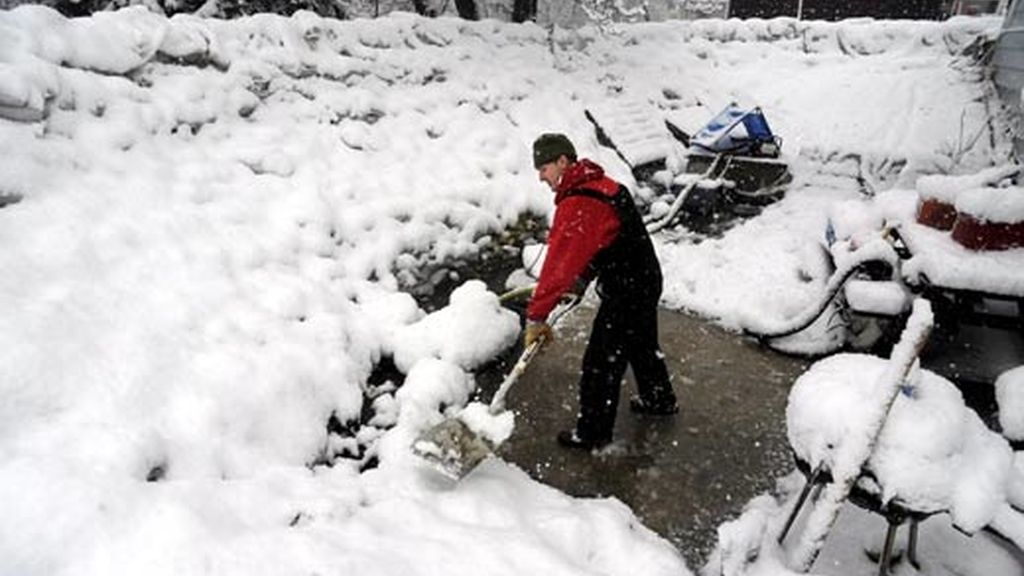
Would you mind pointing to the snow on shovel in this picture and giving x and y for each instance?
(452, 445)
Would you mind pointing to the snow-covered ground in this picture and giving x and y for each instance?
(216, 217)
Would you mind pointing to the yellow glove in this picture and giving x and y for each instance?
(537, 330)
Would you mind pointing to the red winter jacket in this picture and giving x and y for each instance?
(582, 227)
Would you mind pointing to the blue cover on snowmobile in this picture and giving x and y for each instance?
(738, 131)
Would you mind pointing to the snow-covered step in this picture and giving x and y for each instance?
(636, 129)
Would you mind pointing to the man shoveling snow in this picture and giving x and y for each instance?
(598, 232)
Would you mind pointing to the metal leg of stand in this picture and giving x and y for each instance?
(811, 481)
(890, 537)
(912, 545)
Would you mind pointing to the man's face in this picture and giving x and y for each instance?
(551, 173)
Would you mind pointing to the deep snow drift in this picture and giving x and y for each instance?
(216, 217)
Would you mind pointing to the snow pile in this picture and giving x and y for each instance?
(945, 262)
(946, 188)
(1010, 397)
(1000, 205)
(39, 45)
(203, 272)
(438, 352)
(496, 428)
(877, 297)
(19, 99)
(986, 195)
(471, 330)
(218, 216)
(934, 454)
(747, 540)
(748, 546)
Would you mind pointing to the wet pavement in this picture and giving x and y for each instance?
(681, 475)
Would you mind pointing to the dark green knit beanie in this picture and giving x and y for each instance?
(548, 147)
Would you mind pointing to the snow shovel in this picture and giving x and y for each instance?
(451, 445)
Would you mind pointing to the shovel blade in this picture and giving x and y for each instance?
(452, 447)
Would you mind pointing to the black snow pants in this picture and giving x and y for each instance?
(624, 333)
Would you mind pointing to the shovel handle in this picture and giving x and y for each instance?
(498, 402)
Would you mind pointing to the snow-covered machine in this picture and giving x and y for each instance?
(968, 263)
(957, 241)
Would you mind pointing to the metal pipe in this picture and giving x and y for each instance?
(890, 537)
(812, 480)
(912, 545)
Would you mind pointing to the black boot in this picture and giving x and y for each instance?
(638, 406)
(570, 439)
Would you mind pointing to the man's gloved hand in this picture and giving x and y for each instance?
(537, 330)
